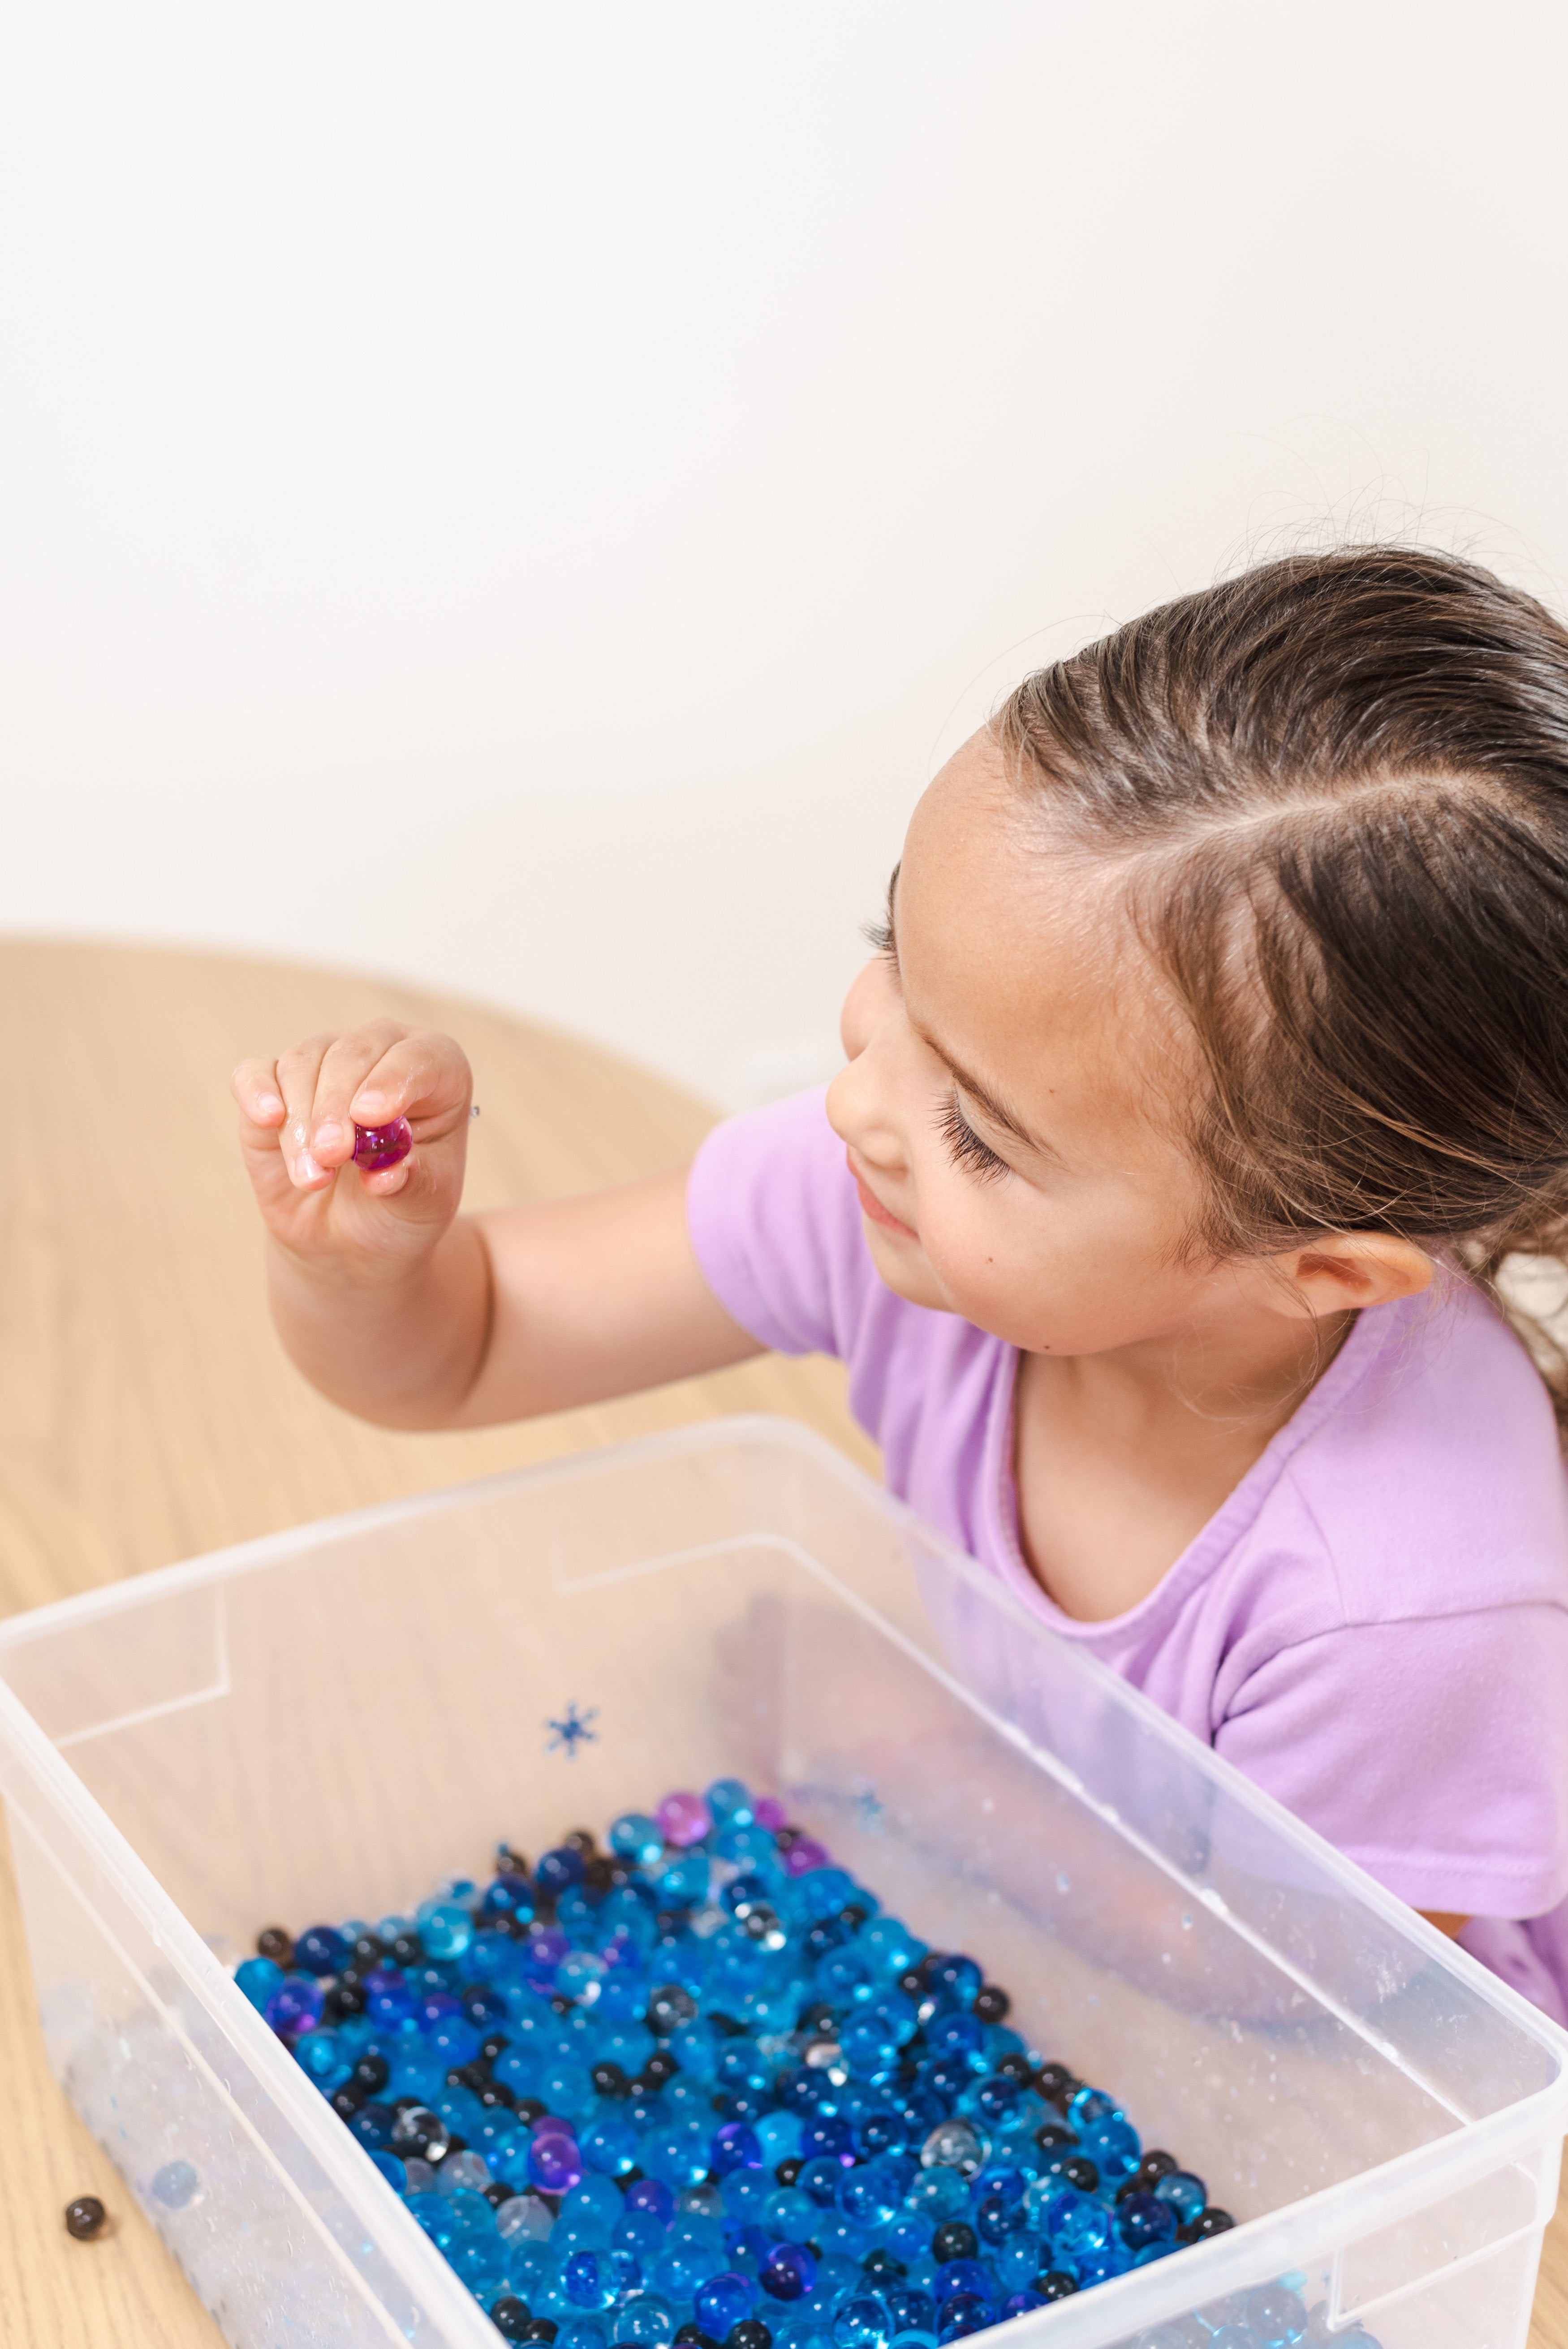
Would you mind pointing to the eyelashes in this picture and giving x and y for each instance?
(965, 1146)
(878, 937)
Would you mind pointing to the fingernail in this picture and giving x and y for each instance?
(370, 1104)
(306, 1169)
(329, 1135)
(269, 1105)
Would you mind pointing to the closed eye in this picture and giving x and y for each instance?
(965, 1146)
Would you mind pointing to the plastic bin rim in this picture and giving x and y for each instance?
(785, 1434)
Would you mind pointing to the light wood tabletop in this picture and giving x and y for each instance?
(149, 1414)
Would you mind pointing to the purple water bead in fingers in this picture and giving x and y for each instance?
(377, 1147)
(683, 1819)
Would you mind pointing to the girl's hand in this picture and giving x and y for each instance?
(297, 1116)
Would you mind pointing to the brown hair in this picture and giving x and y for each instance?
(1342, 780)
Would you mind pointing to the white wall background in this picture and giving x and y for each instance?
(522, 495)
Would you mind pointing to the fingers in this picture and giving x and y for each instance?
(304, 1106)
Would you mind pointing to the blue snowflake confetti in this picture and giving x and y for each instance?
(871, 1810)
(573, 1731)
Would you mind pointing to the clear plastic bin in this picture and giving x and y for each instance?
(323, 1722)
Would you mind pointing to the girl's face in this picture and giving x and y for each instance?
(1012, 1104)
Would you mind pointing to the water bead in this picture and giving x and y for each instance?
(380, 1146)
(644, 2318)
(175, 2185)
(258, 1978)
(295, 2006)
(954, 2145)
(730, 1804)
(1276, 2316)
(789, 2270)
(636, 1837)
(321, 1950)
(863, 2324)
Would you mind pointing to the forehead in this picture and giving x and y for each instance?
(1016, 957)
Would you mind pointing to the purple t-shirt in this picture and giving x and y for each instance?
(1373, 1626)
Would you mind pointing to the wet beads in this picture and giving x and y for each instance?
(696, 2090)
(379, 1146)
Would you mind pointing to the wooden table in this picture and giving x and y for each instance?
(149, 1414)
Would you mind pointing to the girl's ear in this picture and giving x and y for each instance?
(1343, 1271)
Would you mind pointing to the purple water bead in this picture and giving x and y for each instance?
(770, 1813)
(788, 2271)
(733, 2146)
(683, 1819)
(295, 2006)
(554, 2159)
(803, 1857)
(380, 1146)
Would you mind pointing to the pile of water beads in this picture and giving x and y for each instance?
(699, 2089)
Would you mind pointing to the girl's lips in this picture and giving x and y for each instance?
(872, 1206)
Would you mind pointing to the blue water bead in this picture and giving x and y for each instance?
(724, 2300)
(1276, 2316)
(863, 2324)
(676, 2157)
(175, 2185)
(445, 1927)
(679, 2269)
(911, 2309)
(1113, 2146)
(909, 2236)
(829, 2134)
(751, 1847)
(954, 2032)
(651, 2194)
(1016, 2263)
(995, 2218)
(582, 2332)
(791, 2214)
(321, 1950)
(683, 1880)
(823, 1891)
(511, 1894)
(734, 2146)
(743, 2192)
(730, 1804)
(1078, 2225)
(871, 2194)
(589, 2280)
(1186, 2194)
(393, 2170)
(628, 2043)
(938, 2193)
(963, 2276)
(609, 2144)
(952, 1981)
(646, 2317)
(558, 1870)
(636, 1836)
(1144, 2220)
(778, 2136)
(843, 1978)
(1237, 2337)
(389, 2001)
(481, 2262)
(888, 1947)
(820, 2178)
(962, 2316)
(568, 2088)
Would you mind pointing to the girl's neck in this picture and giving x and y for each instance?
(1121, 1459)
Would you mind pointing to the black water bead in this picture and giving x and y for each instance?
(669, 2005)
(369, 1952)
(85, 2218)
(691, 2336)
(1154, 2167)
(1080, 2171)
(511, 2317)
(788, 2172)
(1055, 2284)
(344, 1998)
(495, 2193)
(407, 1950)
(853, 1916)
(955, 2240)
(660, 2067)
(495, 2044)
(510, 1861)
(885, 2265)
(495, 2097)
(272, 1942)
(579, 1839)
(992, 2002)
(1017, 2068)
(371, 2073)
(541, 2329)
(750, 2333)
(1052, 2134)
(727, 2028)
(1211, 2222)
(609, 2080)
(345, 2101)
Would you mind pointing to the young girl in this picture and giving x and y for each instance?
(1213, 1059)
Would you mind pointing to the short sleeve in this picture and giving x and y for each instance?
(1435, 1754)
(776, 1227)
